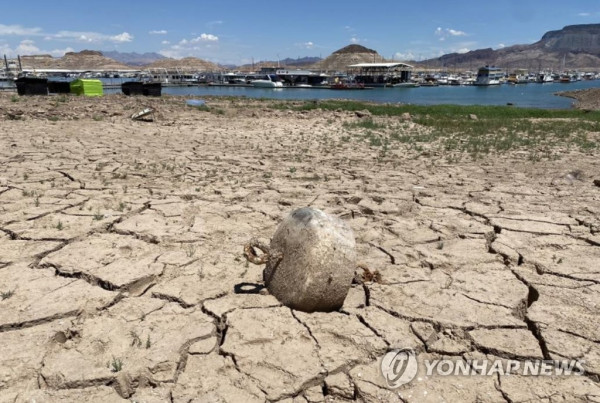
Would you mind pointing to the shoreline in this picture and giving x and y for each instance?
(587, 99)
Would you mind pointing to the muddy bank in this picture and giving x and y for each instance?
(588, 99)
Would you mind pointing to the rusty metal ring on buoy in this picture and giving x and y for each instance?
(251, 255)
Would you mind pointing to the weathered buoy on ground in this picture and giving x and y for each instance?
(310, 262)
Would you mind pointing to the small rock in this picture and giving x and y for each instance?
(123, 385)
(472, 116)
(405, 116)
(363, 114)
(597, 182)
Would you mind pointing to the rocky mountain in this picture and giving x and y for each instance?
(300, 62)
(287, 63)
(84, 60)
(351, 54)
(187, 64)
(134, 58)
(573, 47)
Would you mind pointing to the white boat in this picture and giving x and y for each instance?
(270, 81)
(544, 77)
(488, 75)
(408, 84)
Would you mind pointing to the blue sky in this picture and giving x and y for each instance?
(238, 31)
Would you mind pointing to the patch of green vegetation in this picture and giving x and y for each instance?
(452, 128)
(201, 108)
(135, 339)
(368, 124)
(115, 365)
(7, 294)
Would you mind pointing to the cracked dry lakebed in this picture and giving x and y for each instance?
(122, 274)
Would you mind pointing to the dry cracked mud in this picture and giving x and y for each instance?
(122, 274)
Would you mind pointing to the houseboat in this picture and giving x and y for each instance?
(381, 74)
(302, 78)
(489, 75)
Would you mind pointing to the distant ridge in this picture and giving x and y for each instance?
(84, 60)
(134, 58)
(287, 63)
(186, 64)
(573, 47)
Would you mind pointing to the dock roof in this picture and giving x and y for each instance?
(380, 65)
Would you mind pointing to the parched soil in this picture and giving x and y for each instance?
(122, 274)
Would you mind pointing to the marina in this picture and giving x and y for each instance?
(394, 83)
(531, 95)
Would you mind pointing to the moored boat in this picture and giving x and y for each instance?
(270, 81)
(488, 75)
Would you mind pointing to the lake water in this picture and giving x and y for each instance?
(531, 95)
(524, 95)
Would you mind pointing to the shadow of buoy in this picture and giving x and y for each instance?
(248, 288)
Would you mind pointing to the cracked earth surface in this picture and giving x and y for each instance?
(122, 274)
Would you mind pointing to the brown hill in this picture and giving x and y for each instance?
(185, 64)
(84, 60)
(573, 47)
(351, 54)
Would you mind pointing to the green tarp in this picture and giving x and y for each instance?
(90, 88)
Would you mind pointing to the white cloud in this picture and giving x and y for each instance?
(195, 47)
(584, 14)
(444, 33)
(60, 52)
(309, 45)
(18, 30)
(27, 47)
(124, 37)
(463, 50)
(91, 37)
(211, 24)
(354, 40)
(501, 45)
(455, 32)
(409, 55)
(80, 36)
(205, 38)
(158, 32)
